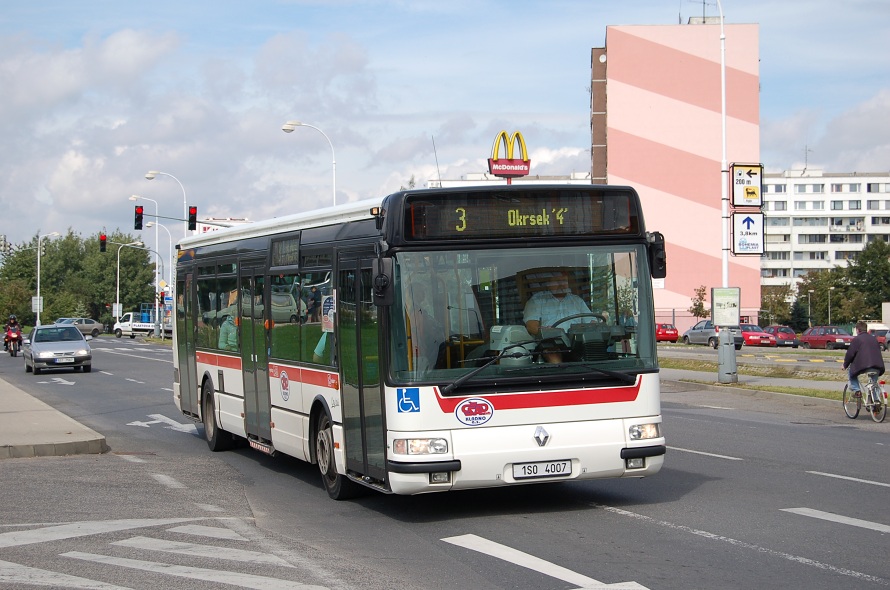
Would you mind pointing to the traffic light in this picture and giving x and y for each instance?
(42, 248)
(138, 223)
(161, 298)
(102, 241)
(3, 244)
(193, 217)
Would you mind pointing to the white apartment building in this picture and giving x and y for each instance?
(815, 220)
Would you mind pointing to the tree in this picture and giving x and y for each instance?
(698, 309)
(774, 299)
(869, 276)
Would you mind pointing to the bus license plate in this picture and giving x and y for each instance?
(542, 469)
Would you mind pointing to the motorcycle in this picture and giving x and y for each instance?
(13, 340)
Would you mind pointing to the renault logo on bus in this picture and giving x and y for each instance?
(510, 166)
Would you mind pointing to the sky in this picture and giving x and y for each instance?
(96, 93)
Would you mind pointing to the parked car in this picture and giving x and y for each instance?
(785, 336)
(754, 335)
(666, 333)
(829, 337)
(57, 346)
(705, 332)
(85, 325)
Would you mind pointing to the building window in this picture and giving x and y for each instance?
(809, 221)
(837, 205)
(872, 205)
(818, 205)
(876, 187)
(800, 189)
(854, 188)
(777, 221)
(855, 205)
(818, 188)
(778, 238)
(812, 239)
(842, 255)
(880, 220)
(777, 256)
(837, 188)
(780, 206)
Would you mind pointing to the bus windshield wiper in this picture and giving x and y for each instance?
(503, 354)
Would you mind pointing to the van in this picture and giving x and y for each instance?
(879, 331)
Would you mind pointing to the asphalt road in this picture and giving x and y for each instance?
(759, 490)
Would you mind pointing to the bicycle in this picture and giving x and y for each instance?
(875, 399)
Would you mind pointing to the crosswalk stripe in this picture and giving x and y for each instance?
(196, 573)
(22, 575)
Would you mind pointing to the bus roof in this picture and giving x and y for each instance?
(354, 211)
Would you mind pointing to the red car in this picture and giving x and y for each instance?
(829, 337)
(785, 336)
(666, 333)
(754, 335)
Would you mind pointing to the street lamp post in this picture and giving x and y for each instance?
(809, 309)
(830, 289)
(170, 249)
(157, 245)
(291, 125)
(151, 175)
(39, 242)
(117, 296)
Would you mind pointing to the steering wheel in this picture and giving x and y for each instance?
(598, 316)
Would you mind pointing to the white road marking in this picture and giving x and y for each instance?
(706, 454)
(531, 562)
(170, 422)
(107, 373)
(132, 458)
(856, 479)
(195, 550)
(136, 356)
(168, 481)
(13, 573)
(82, 529)
(744, 545)
(864, 524)
(209, 507)
(196, 573)
(130, 379)
(214, 532)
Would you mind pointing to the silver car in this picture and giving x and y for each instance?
(85, 325)
(705, 332)
(57, 346)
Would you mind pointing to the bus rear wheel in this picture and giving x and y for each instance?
(217, 439)
(338, 486)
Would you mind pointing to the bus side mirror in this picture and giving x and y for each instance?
(657, 256)
(381, 281)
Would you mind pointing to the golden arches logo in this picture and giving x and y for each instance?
(510, 166)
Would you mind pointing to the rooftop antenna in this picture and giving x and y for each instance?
(439, 174)
(806, 154)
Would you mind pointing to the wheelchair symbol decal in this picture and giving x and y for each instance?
(409, 399)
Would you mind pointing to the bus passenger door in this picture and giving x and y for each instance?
(254, 356)
(357, 340)
(185, 346)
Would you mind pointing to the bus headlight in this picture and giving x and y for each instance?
(645, 431)
(420, 446)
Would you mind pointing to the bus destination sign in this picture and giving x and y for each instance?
(529, 214)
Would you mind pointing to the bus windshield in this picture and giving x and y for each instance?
(519, 312)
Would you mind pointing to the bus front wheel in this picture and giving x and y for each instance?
(338, 486)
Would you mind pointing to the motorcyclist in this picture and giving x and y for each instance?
(11, 324)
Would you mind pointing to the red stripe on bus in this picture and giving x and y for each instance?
(570, 397)
(218, 360)
(306, 376)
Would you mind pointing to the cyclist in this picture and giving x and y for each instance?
(863, 355)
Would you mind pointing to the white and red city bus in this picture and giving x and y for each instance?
(390, 343)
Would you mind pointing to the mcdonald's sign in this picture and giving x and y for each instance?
(509, 167)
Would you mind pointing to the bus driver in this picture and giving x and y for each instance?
(544, 308)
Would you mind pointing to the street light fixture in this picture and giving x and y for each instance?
(39, 300)
(289, 128)
(809, 309)
(830, 289)
(151, 175)
(117, 297)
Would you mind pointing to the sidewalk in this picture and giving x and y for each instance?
(31, 428)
